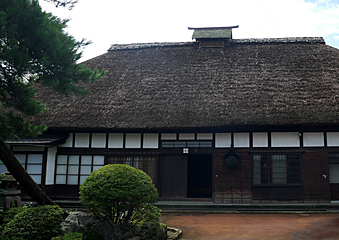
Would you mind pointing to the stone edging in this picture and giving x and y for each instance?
(176, 233)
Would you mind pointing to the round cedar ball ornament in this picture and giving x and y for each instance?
(231, 161)
(231, 158)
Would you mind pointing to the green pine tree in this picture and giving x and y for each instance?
(34, 49)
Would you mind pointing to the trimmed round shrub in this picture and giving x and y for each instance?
(38, 223)
(122, 193)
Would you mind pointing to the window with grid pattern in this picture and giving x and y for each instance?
(74, 169)
(276, 169)
(32, 163)
(148, 164)
(191, 144)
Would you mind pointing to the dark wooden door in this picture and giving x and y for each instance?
(173, 176)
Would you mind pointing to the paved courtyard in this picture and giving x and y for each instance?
(254, 226)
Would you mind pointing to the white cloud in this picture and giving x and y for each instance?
(114, 21)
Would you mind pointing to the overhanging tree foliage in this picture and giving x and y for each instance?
(34, 49)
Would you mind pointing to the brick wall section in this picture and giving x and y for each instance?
(316, 188)
(246, 164)
(218, 175)
(232, 185)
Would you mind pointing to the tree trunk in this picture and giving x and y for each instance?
(22, 177)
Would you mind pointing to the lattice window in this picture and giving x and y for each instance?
(276, 169)
(148, 164)
(32, 163)
(183, 144)
(74, 169)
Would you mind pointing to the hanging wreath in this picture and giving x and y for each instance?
(231, 158)
(231, 161)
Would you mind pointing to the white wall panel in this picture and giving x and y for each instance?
(168, 136)
(260, 139)
(81, 140)
(332, 139)
(151, 140)
(69, 141)
(204, 136)
(116, 140)
(50, 166)
(334, 173)
(98, 140)
(285, 139)
(186, 136)
(223, 140)
(313, 139)
(241, 139)
(133, 140)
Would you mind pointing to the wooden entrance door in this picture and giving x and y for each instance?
(173, 176)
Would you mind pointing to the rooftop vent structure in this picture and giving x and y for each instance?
(212, 36)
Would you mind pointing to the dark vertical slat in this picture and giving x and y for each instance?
(173, 176)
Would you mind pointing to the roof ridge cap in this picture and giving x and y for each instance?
(115, 47)
(130, 46)
(281, 40)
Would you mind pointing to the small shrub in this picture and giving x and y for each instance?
(154, 230)
(151, 230)
(38, 223)
(146, 213)
(30, 205)
(121, 193)
(69, 236)
(10, 238)
(9, 214)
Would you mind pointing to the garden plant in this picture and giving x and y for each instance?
(37, 223)
(124, 194)
(118, 192)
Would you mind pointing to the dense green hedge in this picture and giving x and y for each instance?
(38, 223)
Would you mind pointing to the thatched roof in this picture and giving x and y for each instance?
(289, 81)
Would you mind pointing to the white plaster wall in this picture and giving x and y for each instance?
(81, 140)
(241, 139)
(313, 139)
(332, 139)
(285, 139)
(50, 166)
(151, 140)
(168, 136)
(116, 140)
(260, 139)
(204, 136)
(98, 140)
(223, 140)
(133, 140)
(28, 149)
(186, 136)
(334, 173)
(69, 141)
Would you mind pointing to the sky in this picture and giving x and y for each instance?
(107, 22)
